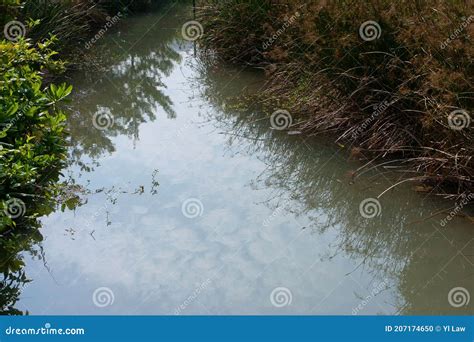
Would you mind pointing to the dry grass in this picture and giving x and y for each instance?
(387, 99)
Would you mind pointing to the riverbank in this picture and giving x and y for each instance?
(392, 83)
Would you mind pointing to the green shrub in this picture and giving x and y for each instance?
(32, 141)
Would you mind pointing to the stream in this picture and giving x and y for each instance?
(195, 205)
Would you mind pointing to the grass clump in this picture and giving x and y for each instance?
(72, 22)
(391, 81)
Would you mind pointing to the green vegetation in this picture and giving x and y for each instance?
(398, 94)
(32, 125)
(32, 152)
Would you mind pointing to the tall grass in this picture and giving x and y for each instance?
(389, 100)
(72, 22)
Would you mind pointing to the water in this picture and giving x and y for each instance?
(194, 206)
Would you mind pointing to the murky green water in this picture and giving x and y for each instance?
(200, 208)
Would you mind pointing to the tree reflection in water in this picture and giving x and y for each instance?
(403, 247)
(136, 73)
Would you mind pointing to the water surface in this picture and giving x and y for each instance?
(195, 206)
